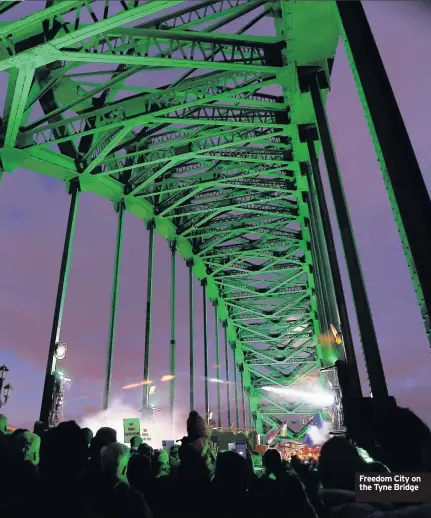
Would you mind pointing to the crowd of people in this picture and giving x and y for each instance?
(67, 471)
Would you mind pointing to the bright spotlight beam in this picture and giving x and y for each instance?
(317, 398)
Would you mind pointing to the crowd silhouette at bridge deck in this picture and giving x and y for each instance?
(65, 471)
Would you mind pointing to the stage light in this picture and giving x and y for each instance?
(152, 390)
(60, 351)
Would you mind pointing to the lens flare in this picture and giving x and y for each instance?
(167, 377)
(135, 385)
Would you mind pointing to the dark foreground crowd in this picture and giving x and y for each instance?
(65, 471)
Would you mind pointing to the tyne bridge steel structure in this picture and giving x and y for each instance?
(220, 158)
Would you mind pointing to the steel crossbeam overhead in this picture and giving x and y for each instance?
(188, 115)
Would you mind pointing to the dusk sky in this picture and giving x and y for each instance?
(33, 215)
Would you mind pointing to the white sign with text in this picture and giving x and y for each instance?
(132, 427)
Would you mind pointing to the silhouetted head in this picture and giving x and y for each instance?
(139, 472)
(26, 447)
(298, 465)
(63, 452)
(160, 463)
(196, 427)
(88, 435)
(339, 461)
(295, 462)
(114, 461)
(3, 423)
(145, 450)
(135, 442)
(174, 456)
(103, 437)
(106, 435)
(231, 472)
(19, 431)
(272, 460)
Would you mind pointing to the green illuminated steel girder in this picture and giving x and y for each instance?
(211, 151)
(290, 410)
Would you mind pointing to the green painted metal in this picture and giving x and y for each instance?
(217, 354)
(359, 293)
(191, 337)
(410, 201)
(243, 399)
(172, 345)
(332, 278)
(235, 381)
(114, 304)
(227, 377)
(149, 317)
(211, 159)
(59, 302)
(206, 352)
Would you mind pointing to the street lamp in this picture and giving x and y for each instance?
(60, 351)
(3, 372)
(6, 390)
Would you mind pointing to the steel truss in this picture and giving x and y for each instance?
(213, 159)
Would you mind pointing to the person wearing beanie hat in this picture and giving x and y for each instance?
(196, 427)
(197, 440)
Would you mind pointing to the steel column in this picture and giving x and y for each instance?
(205, 325)
(217, 351)
(322, 306)
(408, 194)
(321, 278)
(59, 303)
(242, 397)
(365, 322)
(114, 305)
(250, 412)
(321, 246)
(191, 335)
(148, 317)
(172, 348)
(226, 352)
(331, 266)
(235, 374)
